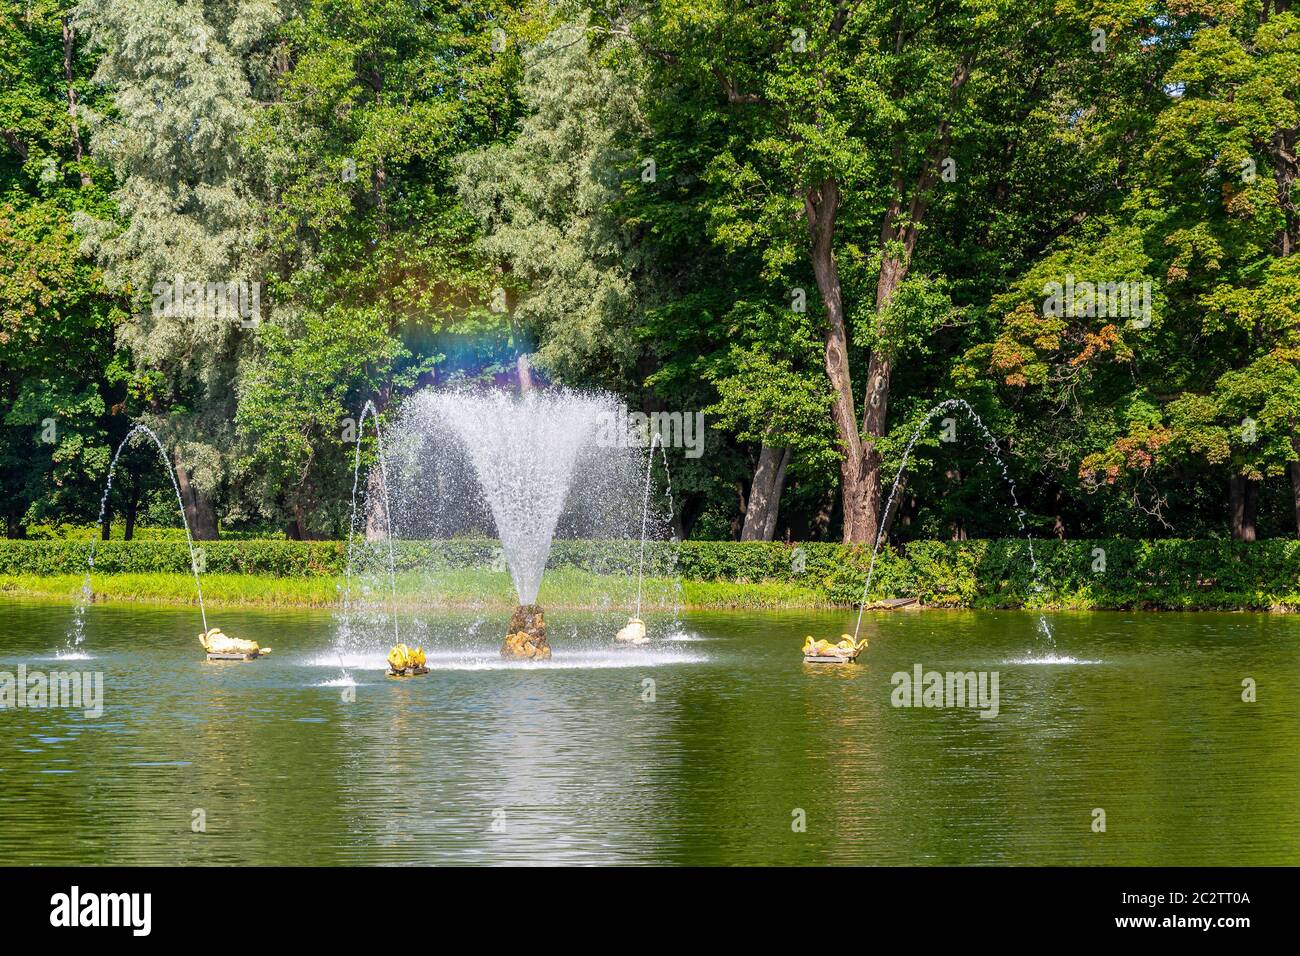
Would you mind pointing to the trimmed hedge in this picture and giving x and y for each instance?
(282, 558)
(278, 558)
(88, 532)
(1072, 574)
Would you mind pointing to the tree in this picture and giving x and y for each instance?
(596, 209)
(842, 119)
(548, 204)
(182, 80)
(371, 259)
(57, 362)
(1204, 383)
(299, 403)
(1231, 269)
(769, 398)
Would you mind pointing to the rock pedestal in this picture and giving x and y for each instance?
(526, 635)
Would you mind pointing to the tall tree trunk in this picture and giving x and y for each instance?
(875, 413)
(778, 489)
(880, 368)
(199, 511)
(69, 40)
(132, 509)
(1243, 498)
(765, 494)
(525, 370)
(821, 204)
(737, 523)
(298, 522)
(106, 525)
(1295, 491)
(1251, 511)
(860, 467)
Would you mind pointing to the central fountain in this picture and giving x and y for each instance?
(526, 469)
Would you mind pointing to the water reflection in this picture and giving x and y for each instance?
(583, 761)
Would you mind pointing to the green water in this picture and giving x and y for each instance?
(1141, 716)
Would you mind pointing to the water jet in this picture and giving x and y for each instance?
(77, 634)
(473, 467)
(991, 446)
(379, 508)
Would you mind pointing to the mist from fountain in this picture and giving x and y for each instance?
(472, 467)
(524, 453)
(77, 634)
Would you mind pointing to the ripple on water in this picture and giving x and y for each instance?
(338, 682)
(1050, 659)
(486, 660)
(684, 637)
(589, 772)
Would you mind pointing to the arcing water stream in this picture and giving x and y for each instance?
(345, 630)
(78, 632)
(656, 440)
(991, 446)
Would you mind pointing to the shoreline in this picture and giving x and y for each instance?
(560, 590)
(243, 590)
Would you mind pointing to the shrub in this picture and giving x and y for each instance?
(1072, 574)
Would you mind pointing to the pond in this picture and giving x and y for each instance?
(716, 744)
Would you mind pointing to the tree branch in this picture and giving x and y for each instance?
(16, 144)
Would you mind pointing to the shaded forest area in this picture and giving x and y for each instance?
(236, 222)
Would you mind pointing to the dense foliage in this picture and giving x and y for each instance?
(809, 221)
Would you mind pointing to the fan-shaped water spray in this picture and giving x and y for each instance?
(473, 466)
(524, 453)
(992, 447)
(77, 634)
